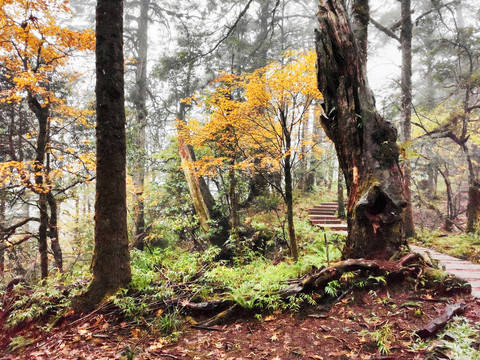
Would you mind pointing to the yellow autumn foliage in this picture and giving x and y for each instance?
(245, 117)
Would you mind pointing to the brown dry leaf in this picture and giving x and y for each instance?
(82, 332)
(274, 337)
(160, 343)
(339, 353)
(270, 318)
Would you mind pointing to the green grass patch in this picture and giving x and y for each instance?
(463, 246)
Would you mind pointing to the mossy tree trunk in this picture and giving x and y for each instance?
(365, 143)
(473, 206)
(111, 259)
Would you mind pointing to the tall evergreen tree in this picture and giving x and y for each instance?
(111, 260)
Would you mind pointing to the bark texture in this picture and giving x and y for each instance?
(2, 222)
(111, 261)
(140, 101)
(53, 231)
(42, 114)
(340, 199)
(365, 143)
(406, 85)
(473, 206)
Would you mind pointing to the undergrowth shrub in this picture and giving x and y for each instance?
(52, 296)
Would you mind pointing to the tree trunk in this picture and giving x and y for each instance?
(340, 199)
(289, 188)
(365, 143)
(289, 203)
(140, 101)
(232, 195)
(2, 224)
(302, 166)
(202, 198)
(42, 114)
(42, 235)
(450, 208)
(54, 233)
(111, 259)
(406, 85)
(473, 206)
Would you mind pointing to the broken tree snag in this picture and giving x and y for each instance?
(365, 143)
(441, 321)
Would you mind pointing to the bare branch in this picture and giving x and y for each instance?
(385, 30)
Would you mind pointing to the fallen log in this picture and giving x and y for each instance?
(207, 305)
(441, 321)
(220, 318)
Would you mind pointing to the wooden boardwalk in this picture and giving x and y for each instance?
(324, 216)
(463, 269)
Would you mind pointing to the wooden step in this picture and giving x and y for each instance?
(325, 206)
(322, 221)
(322, 217)
(321, 212)
(333, 227)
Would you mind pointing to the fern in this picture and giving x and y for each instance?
(333, 288)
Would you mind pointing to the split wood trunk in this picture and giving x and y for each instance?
(365, 143)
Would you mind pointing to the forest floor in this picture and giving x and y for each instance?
(375, 324)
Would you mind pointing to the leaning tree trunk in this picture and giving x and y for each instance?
(365, 143)
(202, 198)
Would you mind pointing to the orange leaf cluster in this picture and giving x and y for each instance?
(33, 47)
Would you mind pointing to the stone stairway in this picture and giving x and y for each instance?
(324, 216)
